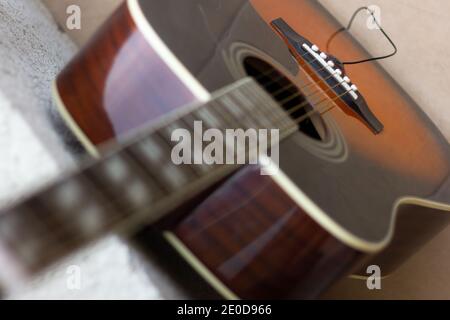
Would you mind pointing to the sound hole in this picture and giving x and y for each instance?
(286, 93)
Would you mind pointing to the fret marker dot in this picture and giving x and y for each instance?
(69, 195)
(117, 170)
(138, 194)
(91, 220)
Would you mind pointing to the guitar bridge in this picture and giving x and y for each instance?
(331, 71)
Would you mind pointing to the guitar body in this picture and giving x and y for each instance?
(344, 193)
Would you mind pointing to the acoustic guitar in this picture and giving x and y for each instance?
(362, 178)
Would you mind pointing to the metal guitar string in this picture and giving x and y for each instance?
(55, 251)
(118, 220)
(318, 105)
(306, 103)
(350, 24)
(298, 94)
(352, 19)
(269, 72)
(325, 100)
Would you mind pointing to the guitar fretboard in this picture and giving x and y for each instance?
(135, 185)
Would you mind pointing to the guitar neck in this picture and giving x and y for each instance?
(135, 185)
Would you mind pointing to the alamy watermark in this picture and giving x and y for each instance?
(373, 281)
(73, 281)
(231, 147)
(73, 21)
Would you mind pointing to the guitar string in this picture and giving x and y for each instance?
(299, 89)
(267, 73)
(114, 221)
(290, 112)
(285, 101)
(306, 103)
(299, 94)
(292, 85)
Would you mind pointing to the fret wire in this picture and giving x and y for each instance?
(248, 115)
(244, 120)
(279, 115)
(250, 109)
(218, 126)
(206, 125)
(46, 239)
(189, 170)
(106, 190)
(265, 105)
(228, 117)
(151, 164)
(154, 142)
(210, 119)
(228, 122)
(59, 246)
(19, 245)
(222, 108)
(76, 240)
(194, 170)
(273, 112)
(65, 241)
(65, 245)
(166, 176)
(31, 219)
(230, 104)
(39, 208)
(231, 124)
(287, 125)
(135, 178)
(87, 189)
(65, 223)
(219, 109)
(263, 123)
(92, 200)
(276, 115)
(152, 180)
(138, 157)
(190, 119)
